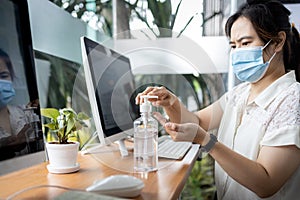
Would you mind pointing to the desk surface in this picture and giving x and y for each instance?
(166, 183)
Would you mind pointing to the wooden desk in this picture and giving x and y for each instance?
(166, 183)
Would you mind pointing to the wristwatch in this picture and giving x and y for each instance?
(211, 143)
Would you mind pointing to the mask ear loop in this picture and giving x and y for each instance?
(272, 55)
(271, 58)
(266, 45)
(268, 63)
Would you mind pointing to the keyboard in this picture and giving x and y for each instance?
(167, 148)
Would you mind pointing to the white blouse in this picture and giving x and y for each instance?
(18, 118)
(272, 119)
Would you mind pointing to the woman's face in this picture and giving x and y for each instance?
(243, 34)
(4, 72)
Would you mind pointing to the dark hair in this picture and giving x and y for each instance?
(4, 56)
(268, 18)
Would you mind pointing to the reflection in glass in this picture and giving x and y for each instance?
(20, 131)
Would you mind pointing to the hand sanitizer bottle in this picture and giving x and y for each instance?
(145, 138)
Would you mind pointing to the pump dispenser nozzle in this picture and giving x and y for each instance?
(146, 107)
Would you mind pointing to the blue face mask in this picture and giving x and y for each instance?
(7, 92)
(248, 63)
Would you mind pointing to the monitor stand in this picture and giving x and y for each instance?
(101, 148)
(122, 147)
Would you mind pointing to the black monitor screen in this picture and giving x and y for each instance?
(114, 87)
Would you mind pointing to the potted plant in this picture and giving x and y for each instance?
(62, 153)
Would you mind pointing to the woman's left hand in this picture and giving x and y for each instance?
(189, 132)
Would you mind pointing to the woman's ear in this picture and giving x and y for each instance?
(282, 38)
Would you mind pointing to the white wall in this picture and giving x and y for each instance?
(175, 55)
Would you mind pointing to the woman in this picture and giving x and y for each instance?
(257, 147)
(14, 127)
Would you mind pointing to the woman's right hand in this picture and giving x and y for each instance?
(165, 97)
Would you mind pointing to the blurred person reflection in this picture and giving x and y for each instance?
(15, 129)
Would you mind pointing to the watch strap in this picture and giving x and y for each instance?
(211, 143)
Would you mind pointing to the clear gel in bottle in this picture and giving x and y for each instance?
(145, 138)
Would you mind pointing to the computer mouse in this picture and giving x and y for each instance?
(118, 185)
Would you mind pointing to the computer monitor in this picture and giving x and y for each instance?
(19, 120)
(111, 90)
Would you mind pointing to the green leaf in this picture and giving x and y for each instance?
(70, 125)
(51, 126)
(51, 113)
(78, 125)
(81, 124)
(82, 116)
(67, 111)
(175, 15)
(64, 122)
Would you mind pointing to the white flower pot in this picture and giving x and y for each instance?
(62, 157)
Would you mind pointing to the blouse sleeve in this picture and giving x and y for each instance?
(284, 128)
(222, 101)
